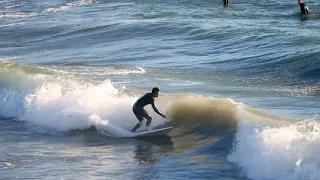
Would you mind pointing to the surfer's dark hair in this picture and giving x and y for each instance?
(155, 89)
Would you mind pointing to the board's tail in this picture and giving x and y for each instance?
(155, 132)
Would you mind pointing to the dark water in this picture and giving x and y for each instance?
(239, 84)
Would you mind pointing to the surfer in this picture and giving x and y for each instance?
(226, 2)
(140, 112)
(303, 7)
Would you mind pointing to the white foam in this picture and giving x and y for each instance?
(6, 60)
(16, 14)
(278, 152)
(58, 9)
(69, 6)
(183, 83)
(85, 2)
(106, 128)
(136, 70)
(63, 107)
(15, 86)
(110, 71)
(12, 24)
(63, 104)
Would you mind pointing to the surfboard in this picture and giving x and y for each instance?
(154, 132)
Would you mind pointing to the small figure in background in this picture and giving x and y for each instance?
(303, 7)
(226, 2)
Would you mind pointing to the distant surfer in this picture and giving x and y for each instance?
(303, 7)
(226, 2)
(140, 112)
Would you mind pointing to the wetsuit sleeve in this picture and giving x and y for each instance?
(155, 109)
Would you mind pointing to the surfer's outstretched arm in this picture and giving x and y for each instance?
(157, 111)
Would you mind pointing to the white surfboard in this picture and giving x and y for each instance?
(154, 132)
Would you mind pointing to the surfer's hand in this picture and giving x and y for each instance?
(164, 116)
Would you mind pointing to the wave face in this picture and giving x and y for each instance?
(263, 145)
(31, 93)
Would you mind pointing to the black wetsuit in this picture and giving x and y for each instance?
(140, 112)
(304, 8)
(226, 2)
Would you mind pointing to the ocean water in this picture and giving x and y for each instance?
(240, 86)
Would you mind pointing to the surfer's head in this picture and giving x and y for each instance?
(155, 92)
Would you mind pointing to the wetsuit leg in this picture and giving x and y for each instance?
(137, 126)
(139, 115)
(148, 117)
(148, 121)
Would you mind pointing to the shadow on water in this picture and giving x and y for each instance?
(3, 118)
(90, 137)
(310, 16)
(148, 150)
(304, 17)
(145, 146)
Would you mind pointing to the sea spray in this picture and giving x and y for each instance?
(278, 152)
